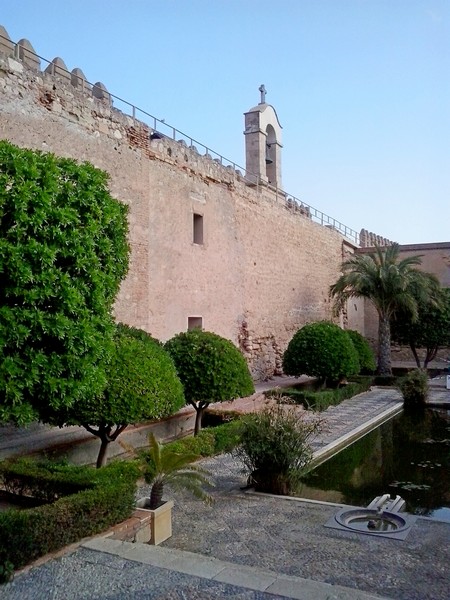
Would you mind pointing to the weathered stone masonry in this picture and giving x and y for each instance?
(263, 269)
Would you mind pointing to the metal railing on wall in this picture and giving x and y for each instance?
(159, 128)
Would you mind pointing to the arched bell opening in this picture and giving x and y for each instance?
(271, 167)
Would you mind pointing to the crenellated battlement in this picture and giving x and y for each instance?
(367, 239)
(69, 94)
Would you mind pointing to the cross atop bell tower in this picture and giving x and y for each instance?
(262, 89)
(263, 143)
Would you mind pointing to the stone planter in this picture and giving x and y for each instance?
(161, 521)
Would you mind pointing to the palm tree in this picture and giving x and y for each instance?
(161, 465)
(390, 284)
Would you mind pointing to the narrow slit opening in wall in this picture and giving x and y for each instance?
(195, 323)
(198, 229)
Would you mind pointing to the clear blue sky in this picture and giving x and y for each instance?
(361, 88)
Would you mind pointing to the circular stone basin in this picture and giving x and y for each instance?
(370, 521)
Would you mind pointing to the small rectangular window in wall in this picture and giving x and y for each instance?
(198, 229)
(195, 323)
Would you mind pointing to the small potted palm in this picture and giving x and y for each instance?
(160, 466)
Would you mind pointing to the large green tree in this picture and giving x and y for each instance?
(142, 385)
(391, 284)
(430, 331)
(211, 369)
(63, 254)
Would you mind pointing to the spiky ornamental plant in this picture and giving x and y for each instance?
(391, 284)
(275, 447)
(162, 466)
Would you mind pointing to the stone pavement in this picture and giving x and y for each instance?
(252, 546)
(439, 394)
(103, 570)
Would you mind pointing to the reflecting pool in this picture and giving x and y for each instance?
(409, 455)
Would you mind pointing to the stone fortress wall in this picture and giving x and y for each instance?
(245, 261)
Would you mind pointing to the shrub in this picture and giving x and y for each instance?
(6, 572)
(321, 350)
(227, 436)
(108, 498)
(385, 380)
(210, 441)
(414, 388)
(366, 356)
(211, 369)
(274, 448)
(322, 399)
(63, 254)
(43, 480)
(201, 444)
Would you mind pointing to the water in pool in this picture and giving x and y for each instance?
(409, 456)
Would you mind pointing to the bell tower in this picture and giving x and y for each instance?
(263, 143)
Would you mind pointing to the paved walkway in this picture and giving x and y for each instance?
(250, 546)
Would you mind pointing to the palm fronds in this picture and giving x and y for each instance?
(161, 465)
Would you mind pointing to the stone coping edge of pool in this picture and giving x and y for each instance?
(342, 442)
(252, 578)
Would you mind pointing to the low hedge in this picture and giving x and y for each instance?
(104, 497)
(44, 481)
(385, 380)
(322, 399)
(210, 441)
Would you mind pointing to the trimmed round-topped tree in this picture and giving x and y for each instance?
(142, 385)
(322, 350)
(211, 369)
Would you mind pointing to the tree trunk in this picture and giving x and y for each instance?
(101, 458)
(198, 419)
(430, 355)
(104, 433)
(416, 356)
(200, 409)
(156, 494)
(384, 346)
